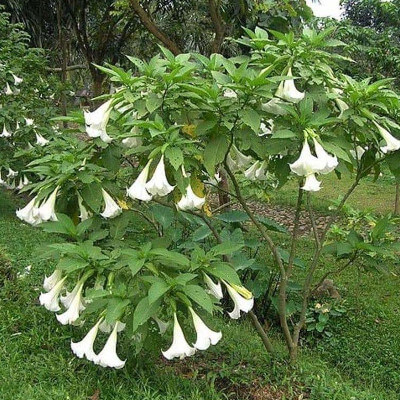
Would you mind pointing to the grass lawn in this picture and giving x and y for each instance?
(361, 361)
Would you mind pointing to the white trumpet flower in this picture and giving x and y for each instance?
(108, 356)
(52, 280)
(250, 173)
(358, 152)
(288, 91)
(392, 144)
(312, 184)
(70, 296)
(162, 325)
(20, 184)
(84, 348)
(132, 142)
(158, 185)
(330, 162)
(5, 132)
(241, 160)
(84, 214)
(179, 347)
(230, 94)
(2, 182)
(26, 181)
(307, 164)
(12, 173)
(7, 90)
(40, 140)
(266, 130)
(107, 328)
(274, 107)
(112, 209)
(29, 213)
(50, 300)
(339, 102)
(17, 80)
(205, 336)
(28, 121)
(241, 303)
(47, 210)
(213, 288)
(190, 201)
(96, 121)
(138, 189)
(72, 313)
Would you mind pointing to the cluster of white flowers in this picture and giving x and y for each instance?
(7, 89)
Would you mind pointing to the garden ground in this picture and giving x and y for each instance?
(360, 361)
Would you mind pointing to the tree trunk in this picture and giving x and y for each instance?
(98, 79)
(397, 199)
(64, 62)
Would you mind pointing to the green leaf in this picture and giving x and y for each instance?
(200, 296)
(201, 233)
(174, 156)
(72, 263)
(225, 248)
(170, 257)
(143, 312)
(153, 102)
(116, 307)
(251, 118)
(92, 196)
(224, 271)
(119, 225)
(156, 290)
(215, 152)
(271, 225)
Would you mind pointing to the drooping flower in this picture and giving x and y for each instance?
(132, 142)
(274, 106)
(2, 182)
(97, 120)
(70, 296)
(358, 152)
(26, 181)
(392, 144)
(179, 347)
(84, 214)
(288, 91)
(47, 210)
(112, 209)
(40, 140)
(138, 189)
(189, 200)
(12, 173)
(7, 90)
(266, 130)
(230, 93)
(28, 121)
(307, 164)
(162, 325)
(261, 172)
(17, 80)
(20, 184)
(72, 313)
(213, 288)
(108, 356)
(330, 162)
(52, 280)
(339, 102)
(107, 328)
(5, 132)
(241, 303)
(250, 173)
(50, 300)
(205, 336)
(312, 184)
(241, 160)
(158, 185)
(29, 213)
(84, 348)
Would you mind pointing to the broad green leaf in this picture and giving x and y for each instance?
(215, 152)
(200, 296)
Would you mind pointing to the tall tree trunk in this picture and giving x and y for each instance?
(63, 46)
(97, 81)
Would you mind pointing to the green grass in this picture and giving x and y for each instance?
(361, 361)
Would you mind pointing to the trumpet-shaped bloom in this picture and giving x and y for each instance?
(84, 348)
(265, 129)
(29, 213)
(250, 172)
(132, 142)
(261, 172)
(96, 121)
(5, 132)
(7, 90)
(29, 121)
(241, 303)
(108, 356)
(241, 160)
(84, 214)
(26, 181)
(230, 94)
(358, 152)
(312, 184)
(52, 280)
(138, 189)
(17, 80)
(274, 107)
(307, 164)
(112, 209)
(162, 325)
(190, 201)
(72, 313)
(213, 288)
(179, 347)
(47, 208)
(331, 162)
(12, 173)
(107, 328)
(70, 296)
(40, 140)
(2, 182)
(20, 184)
(392, 144)
(158, 185)
(288, 91)
(205, 336)
(50, 300)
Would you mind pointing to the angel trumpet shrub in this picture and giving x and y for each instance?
(108, 356)
(72, 313)
(241, 303)
(162, 325)
(50, 300)
(7, 90)
(84, 348)
(112, 209)
(70, 296)
(5, 133)
(47, 209)
(189, 200)
(180, 347)
(330, 162)
(84, 214)
(138, 189)
(158, 185)
(205, 336)
(213, 288)
(392, 144)
(96, 121)
(288, 91)
(52, 280)
(12, 173)
(29, 213)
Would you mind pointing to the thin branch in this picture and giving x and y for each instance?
(68, 68)
(312, 220)
(219, 26)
